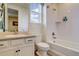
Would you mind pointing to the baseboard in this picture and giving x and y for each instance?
(38, 54)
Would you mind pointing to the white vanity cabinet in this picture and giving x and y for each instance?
(8, 52)
(17, 47)
(28, 50)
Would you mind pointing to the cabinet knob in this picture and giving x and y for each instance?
(1, 44)
(17, 50)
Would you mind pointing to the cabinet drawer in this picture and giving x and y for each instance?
(4, 44)
(29, 41)
(17, 42)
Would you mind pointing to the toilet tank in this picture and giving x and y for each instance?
(38, 38)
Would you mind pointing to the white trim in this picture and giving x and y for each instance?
(39, 54)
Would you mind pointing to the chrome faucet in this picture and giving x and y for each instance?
(53, 34)
(54, 37)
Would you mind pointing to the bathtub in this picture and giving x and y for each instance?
(63, 48)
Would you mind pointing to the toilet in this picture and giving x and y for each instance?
(42, 48)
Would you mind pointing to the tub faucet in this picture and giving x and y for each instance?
(54, 37)
(54, 41)
(53, 34)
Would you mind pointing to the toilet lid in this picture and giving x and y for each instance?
(42, 44)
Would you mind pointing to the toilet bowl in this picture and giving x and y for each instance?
(42, 48)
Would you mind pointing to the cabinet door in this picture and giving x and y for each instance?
(10, 52)
(26, 51)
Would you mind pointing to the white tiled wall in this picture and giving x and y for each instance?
(51, 17)
(64, 30)
(69, 30)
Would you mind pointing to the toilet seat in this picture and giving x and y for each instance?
(43, 46)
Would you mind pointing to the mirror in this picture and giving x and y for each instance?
(2, 17)
(1, 20)
(14, 17)
(12, 20)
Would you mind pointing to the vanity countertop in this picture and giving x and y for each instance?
(15, 36)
